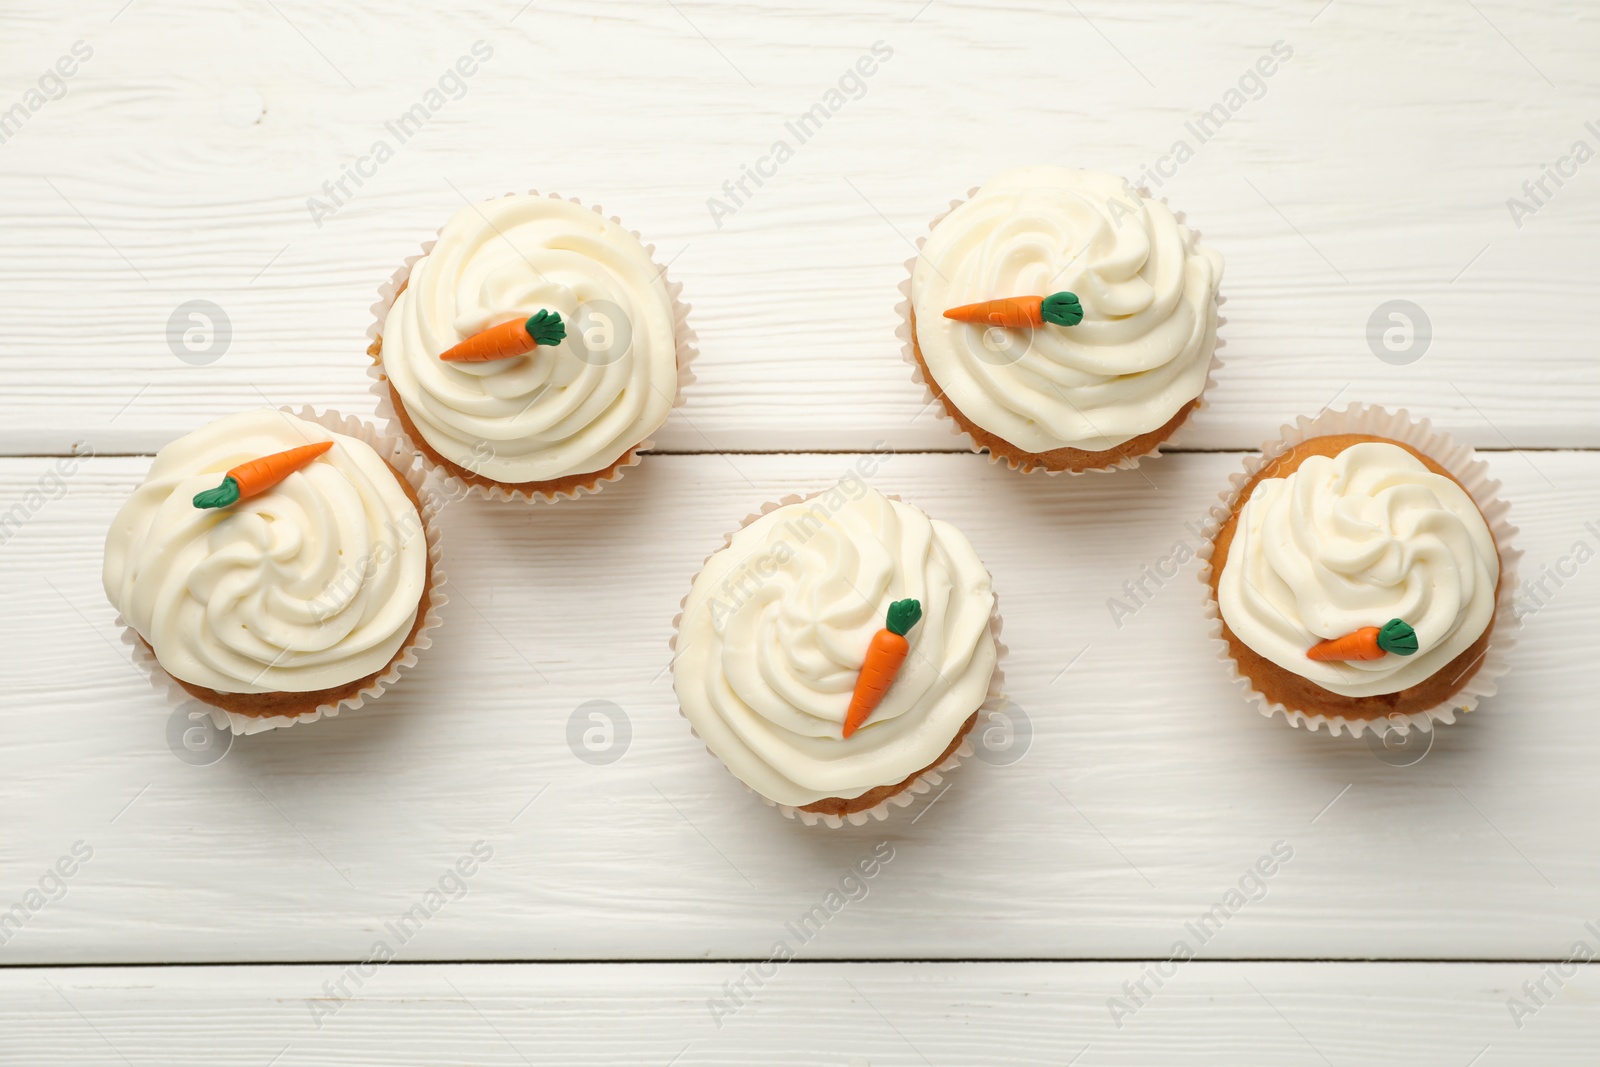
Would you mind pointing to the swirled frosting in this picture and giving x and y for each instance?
(1148, 291)
(571, 408)
(312, 584)
(1355, 540)
(777, 625)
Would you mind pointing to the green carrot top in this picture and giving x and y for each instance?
(1398, 637)
(902, 616)
(1062, 309)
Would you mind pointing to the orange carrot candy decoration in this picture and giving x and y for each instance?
(1016, 312)
(259, 475)
(1369, 642)
(885, 654)
(509, 339)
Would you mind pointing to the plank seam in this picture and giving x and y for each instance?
(811, 452)
(817, 961)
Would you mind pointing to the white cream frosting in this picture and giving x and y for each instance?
(776, 627)
(310, 585)
(566, 409)
(1355, 540)
(1147, 288)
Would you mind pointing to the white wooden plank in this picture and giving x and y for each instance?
(1283, 1015)
(1376, 166)
(1148, 791)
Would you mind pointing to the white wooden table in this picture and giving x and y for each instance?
(228, 910)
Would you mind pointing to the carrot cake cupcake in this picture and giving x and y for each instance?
(533, 348)
(272, 566)
(1356, 577)
(1063, 321)
(837, 649)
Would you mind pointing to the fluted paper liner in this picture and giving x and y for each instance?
(994, 702)
(1473, 474)
(398, 453)
(455, 487)
(931, 400)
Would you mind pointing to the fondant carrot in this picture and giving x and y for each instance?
(885, 654)
(1015, 312)
(509, 339)
(1369, 642)
(259, 475)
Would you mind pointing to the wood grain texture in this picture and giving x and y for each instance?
(862, 1015)
(455, 820)
(1147, 792)
(1375, 165)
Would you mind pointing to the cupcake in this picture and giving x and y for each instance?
(1360, 572)
(532, 349)
(1062, 320)
(836, 651)
(275, 568)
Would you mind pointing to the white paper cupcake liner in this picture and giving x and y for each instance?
(398, 453)
(993, 704)
(1473, 474)
(455, 487)
(1126, 462)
